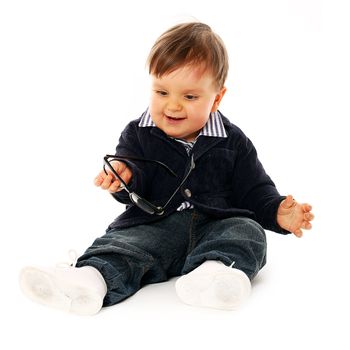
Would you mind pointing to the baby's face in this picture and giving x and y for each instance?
(181, 101)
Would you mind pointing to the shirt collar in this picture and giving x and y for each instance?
(213, 128)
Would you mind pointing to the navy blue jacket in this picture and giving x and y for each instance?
(228, 179)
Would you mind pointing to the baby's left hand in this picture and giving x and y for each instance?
(293, 216)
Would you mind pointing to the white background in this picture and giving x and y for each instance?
(72, 74)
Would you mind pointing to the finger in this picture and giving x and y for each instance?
(119, 167)
(288, 202)
(306, 225)
(126, 175)
(114, 187)
(109, 172)
(308, 216)
(99, 178)
(298, 232)
(306, 207)
(107, 182)
(122, 170)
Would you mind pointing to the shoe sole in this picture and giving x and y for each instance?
(42, 288)
(39, 286)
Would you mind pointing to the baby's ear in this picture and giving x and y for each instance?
(218, 99)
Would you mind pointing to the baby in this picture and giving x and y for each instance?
(197, 197)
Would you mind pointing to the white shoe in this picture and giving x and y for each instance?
(77, 290)
(214, 285)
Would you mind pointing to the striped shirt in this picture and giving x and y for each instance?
(213, 128)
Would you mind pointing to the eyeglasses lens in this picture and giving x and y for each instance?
(141, 203)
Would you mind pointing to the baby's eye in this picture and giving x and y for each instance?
(161, 93)
(191, 97)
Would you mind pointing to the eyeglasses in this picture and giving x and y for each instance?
(140, 202)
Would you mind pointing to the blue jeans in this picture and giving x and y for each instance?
(131, 257)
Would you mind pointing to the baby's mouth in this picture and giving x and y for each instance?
(174, 118)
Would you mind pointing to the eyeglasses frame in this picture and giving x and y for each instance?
(136, 199)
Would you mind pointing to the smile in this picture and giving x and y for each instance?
(174, 118)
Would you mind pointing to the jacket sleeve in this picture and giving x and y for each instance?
(129, 145)
(253, 188)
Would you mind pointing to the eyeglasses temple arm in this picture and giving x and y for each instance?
(113, 157)
(192, 166)
(124, 185)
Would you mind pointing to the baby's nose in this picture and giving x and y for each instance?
(174, 106)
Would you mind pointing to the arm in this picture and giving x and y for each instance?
(108, 181)
(259, 194)
(133, 173)
(253, 188)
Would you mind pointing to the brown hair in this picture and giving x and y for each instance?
(189, 44)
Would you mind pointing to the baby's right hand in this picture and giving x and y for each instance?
(109, 182)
